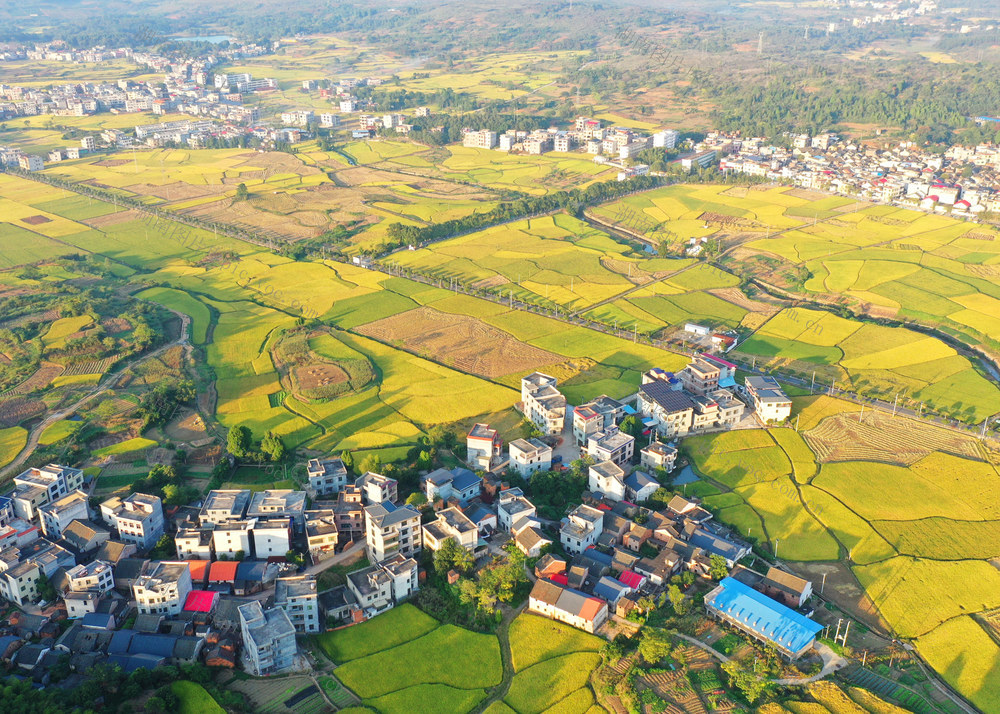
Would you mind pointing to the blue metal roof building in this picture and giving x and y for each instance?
(760, 616)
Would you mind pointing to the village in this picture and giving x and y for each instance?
(238, 583)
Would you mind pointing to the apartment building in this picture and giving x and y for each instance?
(194, 544)
(138, 518)
(484, 447)
(451, 524)
(326, 476)
(666, 139)
(19, 583)
(530, 455)
(581, 529)
(268, 639)
(542, 403)
(56, 516)
(29, 162)
(162, 588)
(390, 530)
(297, 596)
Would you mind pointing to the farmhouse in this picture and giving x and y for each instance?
(138, 518)
(530, 455)
(384, 585)
(224, 506)
(658, 456)
(162, 588)
(598, 415)
(512, 507)
(542, 403)
(608, 479)
(326, 476)
(762, 618)
(483, 446)
(38, 486)
(376, 488)
(566, 605)
(451, 524)
(786, 588)
(458, 483)
(581, 528)
(769, 400)
(268, 639)
(296, 595)
(611, 445)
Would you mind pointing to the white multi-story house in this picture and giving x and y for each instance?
(390, 530)
(542, 403)
(530, 455)
(384, 585)
(326, 476)
(38, 486)
(297, 596)
(58, 514)
(138, 518)
(451, 524)
(658, 455)
(769, 400)
(97, 576)
(480, 139)
(194, 544)
(376, 488)
(483, 447)
(282, 503)
(268, 639)
(233, 537)
(322, 534)
(224, 506)
(608, 479)
(666, 139)
(581, 529)
(512, 507)
(162, 588)
(611, 445)
(597, 415)
(19, 583)
(270, 537)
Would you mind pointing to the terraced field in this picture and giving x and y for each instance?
(911, 509)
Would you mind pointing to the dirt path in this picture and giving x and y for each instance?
(503, 634)
(97, 391)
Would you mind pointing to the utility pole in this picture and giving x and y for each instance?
(894, 403)
(797, 417)
(846, 630)
(836, 637)
(776, 541)
(862, 414)
(813, 385)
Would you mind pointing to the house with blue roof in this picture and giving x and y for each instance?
(458, 483)
(762, 617)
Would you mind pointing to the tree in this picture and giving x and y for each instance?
(632, 426)
(242, 192)
(452, 556)
(45, 589)
(239, 441)
(654, 645)
(272, 446)
(663, 249)
(677, 599)
(416, 499)
(718, 568)
(372, 462)
(745, 680)
(348, 458)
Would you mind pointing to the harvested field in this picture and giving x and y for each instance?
(738, 298)
(460, 341)
(13, 411)
(112, 219)
(36, 220)
(115, 325)
(97, 366)
(111, 162)
(42, 378)
(176, 191)
(494, 281)
(314, 376)
(880, 437)
(807, 194)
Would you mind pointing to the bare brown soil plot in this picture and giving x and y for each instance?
(36, 220)
(187, 427)
(112, 219)
(461, 341)
(881, 437)
(13, 411)
(110, 163)
(318, 375)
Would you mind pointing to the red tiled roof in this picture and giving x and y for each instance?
(222, 571)
(200, 601)
(199, 569)
(633, 580)
(559, 578)
(590, 608)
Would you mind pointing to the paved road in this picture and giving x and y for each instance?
(97, 391)
(831, 663)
